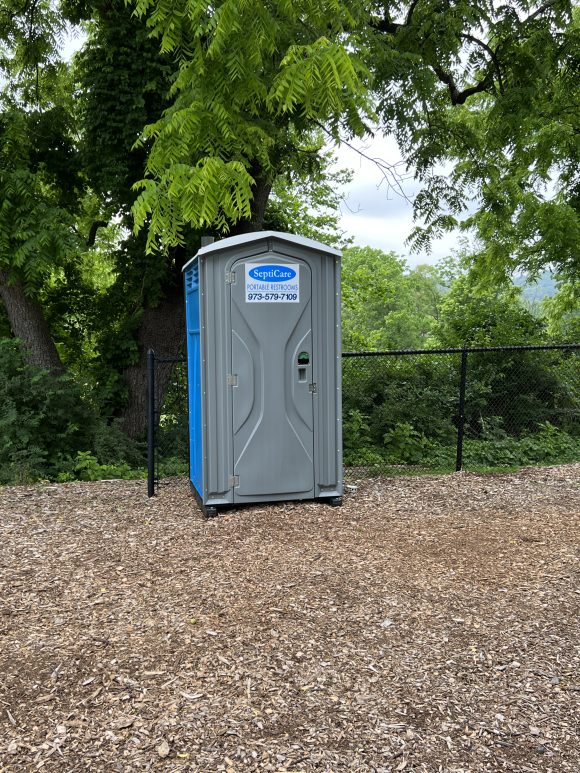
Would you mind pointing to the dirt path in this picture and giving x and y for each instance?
(430, 624)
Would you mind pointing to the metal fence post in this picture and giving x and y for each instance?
(150, 423)
(461, 422)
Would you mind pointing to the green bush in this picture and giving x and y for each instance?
(51, 429)
(391, 391)
(44, 420)
(355, 432)
(404, 444)
(549, 445)
(87, 467)
(173, 466)
(521, 409)
(112, 446)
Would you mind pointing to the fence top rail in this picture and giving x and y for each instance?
(394, 352)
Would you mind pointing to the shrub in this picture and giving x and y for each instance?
(87, 467)
(44, 420)
(549, 445)
(51, 429)
(404, 444)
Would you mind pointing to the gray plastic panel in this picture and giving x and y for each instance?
(272, 400)
(217, 438)
(243, 242)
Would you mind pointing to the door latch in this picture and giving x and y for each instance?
(312, 387)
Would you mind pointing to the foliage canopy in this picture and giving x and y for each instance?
(488, 92)
(254, 80)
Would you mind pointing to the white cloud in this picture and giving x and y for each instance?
(389, 233)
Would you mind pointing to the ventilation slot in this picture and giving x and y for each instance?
(191, 278)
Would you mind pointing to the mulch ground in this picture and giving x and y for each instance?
(430, 624)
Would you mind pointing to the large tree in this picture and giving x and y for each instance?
(487, 92)
(40, 187)
(66, 137)
(255, 82)
(385, 305)
(123, 80)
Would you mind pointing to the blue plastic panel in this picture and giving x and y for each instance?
(194, 376)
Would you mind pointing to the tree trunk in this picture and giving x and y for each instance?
(262, 190)
(29, 325)
(163, 330)
(261, 193)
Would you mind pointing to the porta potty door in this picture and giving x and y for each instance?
(272, 384)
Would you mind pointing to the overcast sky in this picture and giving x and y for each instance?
(376, 215)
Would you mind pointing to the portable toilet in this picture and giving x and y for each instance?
(264, 370)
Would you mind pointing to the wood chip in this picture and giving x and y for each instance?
(429, 624)
(123, 722)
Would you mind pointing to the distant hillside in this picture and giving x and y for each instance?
(544, 287)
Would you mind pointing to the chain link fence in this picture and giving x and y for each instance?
(452, 409)
(168, 422)
(419, 411)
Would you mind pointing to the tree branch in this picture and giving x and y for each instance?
(539, 11)
(391, 175)
(391, 27)
(492, 55)
(386, 25)
(409, 18)
(460, 97)
(93, 232)
(457, 97)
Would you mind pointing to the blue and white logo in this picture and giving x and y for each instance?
(272, 273)
(272, 283)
